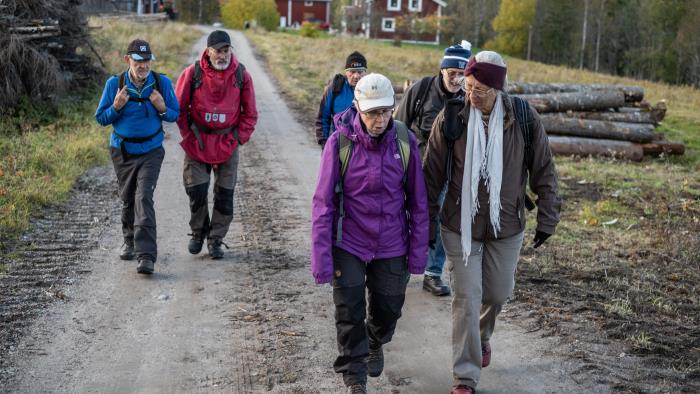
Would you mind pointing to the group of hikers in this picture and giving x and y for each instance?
(440, 178)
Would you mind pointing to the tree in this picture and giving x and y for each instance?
(511, 27)
(235, 13)
(197, 11)
(474, 21)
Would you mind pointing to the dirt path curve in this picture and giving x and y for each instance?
(254, 321)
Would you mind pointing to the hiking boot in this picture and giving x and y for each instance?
(145, 266)
(435, 285)
(485, 354)
(127, 250)
(216, 248)
(195, 244)
(357, 389)
(375, 362)
(462, 389)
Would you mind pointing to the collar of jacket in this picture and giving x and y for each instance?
(210, 71)
(131, 87)
(508, 107)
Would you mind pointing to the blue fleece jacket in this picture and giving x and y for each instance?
(137, 119)
(342, 102)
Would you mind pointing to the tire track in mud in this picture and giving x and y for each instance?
(42, 264)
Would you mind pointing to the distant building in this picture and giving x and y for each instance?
(111, 6)
(380, 18)
(295, 12)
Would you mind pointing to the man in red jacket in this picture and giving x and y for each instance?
(218, 114)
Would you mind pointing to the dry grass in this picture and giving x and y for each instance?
(43, 150)
(626, 254)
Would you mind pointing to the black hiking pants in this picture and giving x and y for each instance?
(137, 176)
(385, 281)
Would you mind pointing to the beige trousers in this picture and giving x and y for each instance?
(479, 291)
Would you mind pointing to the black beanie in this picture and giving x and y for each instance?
(355, 60)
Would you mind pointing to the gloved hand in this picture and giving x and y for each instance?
(322, 142)
(431, 244)
(540, 237)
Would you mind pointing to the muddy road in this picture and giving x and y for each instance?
(77, 319)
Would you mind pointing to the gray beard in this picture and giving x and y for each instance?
(221, 67)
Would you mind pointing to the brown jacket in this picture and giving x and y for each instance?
(543, 179)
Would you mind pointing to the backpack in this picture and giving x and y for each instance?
(419, 105)
(453, 131)
(345, 147)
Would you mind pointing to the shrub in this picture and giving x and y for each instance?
(310, 29)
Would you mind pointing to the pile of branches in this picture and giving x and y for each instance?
(598, 120)
(38, 42)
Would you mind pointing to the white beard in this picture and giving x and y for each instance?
(221, 67)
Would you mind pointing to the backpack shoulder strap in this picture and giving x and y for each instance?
(196, 81)
(525, 121)
(122, 81)
(240, 76)
(344, 153)
(418, 105)
(336, 88)
(403, 145)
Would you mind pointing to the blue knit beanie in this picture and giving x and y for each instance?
(457, 56)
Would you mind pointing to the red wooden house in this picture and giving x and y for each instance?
(295, 12)
(380, 18)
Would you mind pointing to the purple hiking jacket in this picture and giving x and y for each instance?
(375, 224)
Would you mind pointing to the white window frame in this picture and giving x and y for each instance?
(390, 8)
(393, 25)
(416, 9)
(308, 4)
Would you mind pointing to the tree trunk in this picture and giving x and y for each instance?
(649, 117)
(597, 40)
(632, 93)
(562, 125)
(594, 147)
(655, 148)
(581, 101)
(583, 33)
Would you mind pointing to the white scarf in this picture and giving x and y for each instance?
(486, 163)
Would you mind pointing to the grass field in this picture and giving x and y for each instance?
(629, 239)
(45, 147)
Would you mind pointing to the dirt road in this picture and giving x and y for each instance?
(254, 321)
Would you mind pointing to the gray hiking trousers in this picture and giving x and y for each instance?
(479, 291)
(137, 176)
(196, 176)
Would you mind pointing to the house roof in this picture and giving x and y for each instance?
(441, 2)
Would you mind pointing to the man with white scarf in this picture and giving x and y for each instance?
(483, 217)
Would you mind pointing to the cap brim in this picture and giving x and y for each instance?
(368, 105)
(139, 58)
(220, 45)
(356, 69)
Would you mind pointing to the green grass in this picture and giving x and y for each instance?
(44, 147)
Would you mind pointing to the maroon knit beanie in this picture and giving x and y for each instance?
(489, 74)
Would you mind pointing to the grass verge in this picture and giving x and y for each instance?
(626, 256)
(44, 147)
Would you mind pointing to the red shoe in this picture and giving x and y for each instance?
(462, 389)
(485, 354)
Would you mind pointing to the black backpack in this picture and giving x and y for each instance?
(336, 88)
(419, 105)
(452, 131)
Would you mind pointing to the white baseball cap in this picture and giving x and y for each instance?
(374, 91)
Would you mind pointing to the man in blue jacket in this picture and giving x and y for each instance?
(338, 95)
(136, 103)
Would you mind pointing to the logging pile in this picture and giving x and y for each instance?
(38, 42)
(596, 120)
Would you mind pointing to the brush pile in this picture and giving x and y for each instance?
(38, 42)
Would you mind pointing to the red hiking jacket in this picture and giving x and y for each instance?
(217, 104)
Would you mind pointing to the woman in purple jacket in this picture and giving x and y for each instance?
(369, 227)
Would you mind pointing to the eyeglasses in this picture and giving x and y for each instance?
(479, 92)
(383, 113)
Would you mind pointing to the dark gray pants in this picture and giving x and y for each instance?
(385, 280)
(196, 176)
(137, 176)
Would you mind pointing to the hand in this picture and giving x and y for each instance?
(121, 99)
(322, 142)
(157, 101)
(540, 237)
(431, 244)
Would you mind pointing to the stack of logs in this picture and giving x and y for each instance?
(596, 120)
